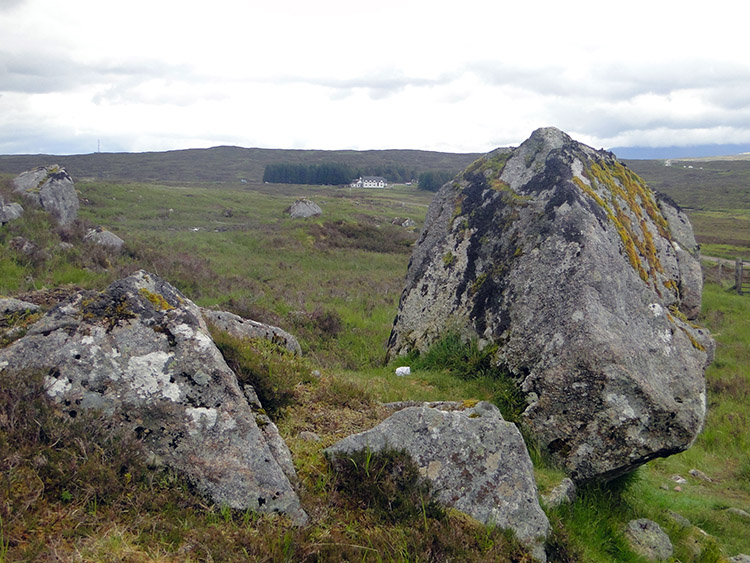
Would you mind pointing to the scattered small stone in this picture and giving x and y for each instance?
(664, 487)
(679, 480)
(315, 373)
(402, 371)
(308, 436)
(65, 246)
(679, 518)
(648, 539)
(739, 512)
(740, 558)
(678, 489)
(564, 493)
(698, 474)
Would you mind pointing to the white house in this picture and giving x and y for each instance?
(369, 182)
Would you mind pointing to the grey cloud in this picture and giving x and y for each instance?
(7, 5)
(37, 73)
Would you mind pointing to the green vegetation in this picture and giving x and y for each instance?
(317, 174)
(334, 282)
(714, 193)
(433, 180)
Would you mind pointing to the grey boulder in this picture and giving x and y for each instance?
(140, 352)
(303, 208)
(649, 540)
(245, 328)
(9, 211)
(104, 238)
(586, 283)
(50, 187)
(477, 462)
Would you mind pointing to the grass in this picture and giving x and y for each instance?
(334, 282)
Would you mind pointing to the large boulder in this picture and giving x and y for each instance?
(140, 352)
(9, 211)
(586, 282)
(50, 187)
(477, 463)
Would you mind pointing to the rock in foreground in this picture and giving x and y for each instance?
(585, 281)
(476, 461)
(140, 352)
(50, 187)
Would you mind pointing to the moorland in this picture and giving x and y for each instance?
(334, 281)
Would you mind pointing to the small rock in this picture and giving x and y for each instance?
(564, 493)
(105, 238)
(698, 474)
(24, 246)
(739, 512)
(240, 327)
(678, 489)
(65, 246)
(664, 487)
(308, 436)
(679, 518)
(678, 479)
(9, 211)
(10, 306)
(649, 540)
(740, 558)
(315, 373)
(402, 371)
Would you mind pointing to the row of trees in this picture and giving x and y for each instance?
(337, 174)
(433, 180)
(332, 174)
(318, 174)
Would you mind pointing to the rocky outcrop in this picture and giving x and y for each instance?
(52, 189)
(104, 238)
(140, 352)
(476, 461)
(303, 208)
(245, 328)
(586, 283)
(9, 211)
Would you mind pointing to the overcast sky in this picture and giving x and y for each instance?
(464, 76)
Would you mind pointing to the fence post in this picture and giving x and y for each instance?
(738, 275)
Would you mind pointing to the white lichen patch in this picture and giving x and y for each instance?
(149, 377)
(3, 365)
(621, 406)
(577, 316)
(433, 469)
(577, 168)
(56, 387)
(665, 336)
(656, 309)
(202, 341)
(202, 416)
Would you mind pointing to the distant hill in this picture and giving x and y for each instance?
(718, 184)
(695, 151)
(227, 164)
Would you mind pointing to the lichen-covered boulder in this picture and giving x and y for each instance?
(140, 352)
(476, 461)
(303, 208)
(9, 211)
(245, 328)
(50, 187)
(587, 284)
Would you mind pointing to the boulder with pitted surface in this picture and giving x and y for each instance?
(585, 283)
